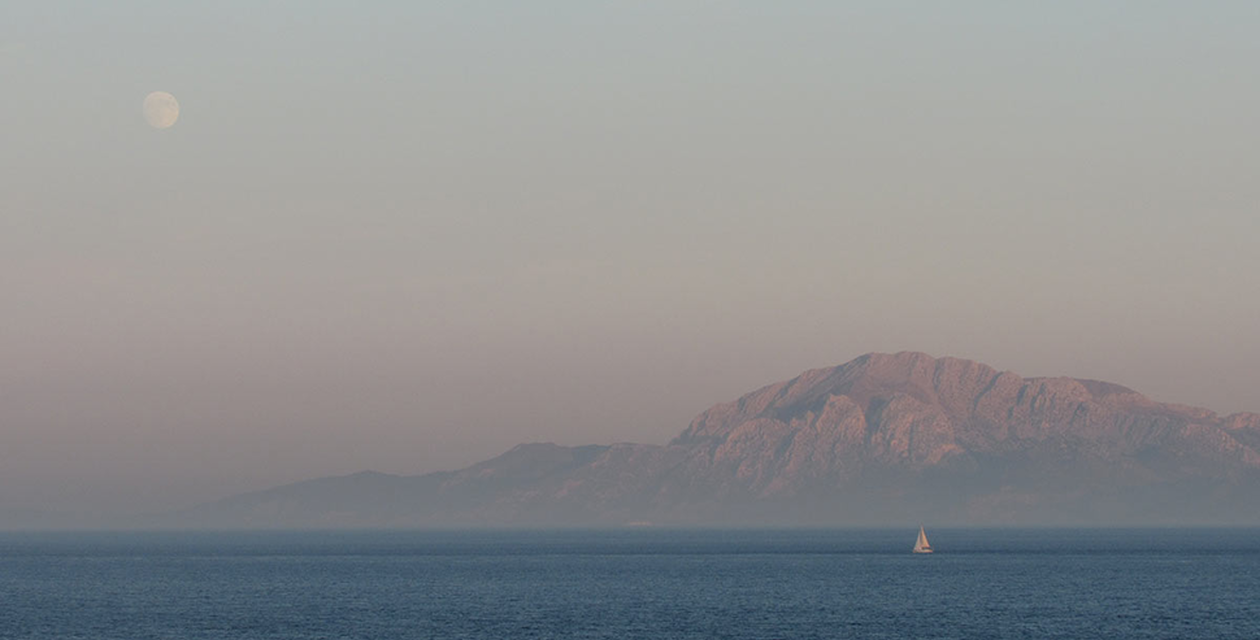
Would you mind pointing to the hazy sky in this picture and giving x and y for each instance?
(409, 235)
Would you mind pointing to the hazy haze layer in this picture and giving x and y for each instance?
(406, 238)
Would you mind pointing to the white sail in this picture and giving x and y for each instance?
(921, 545)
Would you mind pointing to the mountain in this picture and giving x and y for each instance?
(883, 439)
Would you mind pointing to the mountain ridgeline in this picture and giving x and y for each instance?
(886, 439)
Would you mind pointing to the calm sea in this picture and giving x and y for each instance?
(632, 584)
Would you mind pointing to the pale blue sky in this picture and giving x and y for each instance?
(408, 236)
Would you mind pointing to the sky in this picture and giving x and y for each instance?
(406, 236)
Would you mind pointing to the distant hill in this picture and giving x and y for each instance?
(884, 439)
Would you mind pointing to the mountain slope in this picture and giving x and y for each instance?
(883, 439)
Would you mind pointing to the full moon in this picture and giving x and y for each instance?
(161, 109)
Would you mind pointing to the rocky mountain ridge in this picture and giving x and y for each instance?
(882, 439)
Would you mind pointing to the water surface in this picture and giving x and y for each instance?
(638, 583)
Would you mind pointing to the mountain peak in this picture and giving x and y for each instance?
(884, 438)
(953, 384)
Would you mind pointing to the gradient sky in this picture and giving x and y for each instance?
(408, 236)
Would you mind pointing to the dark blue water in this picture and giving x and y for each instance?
(632, 584)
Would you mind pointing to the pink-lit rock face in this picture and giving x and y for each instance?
(912, 411)
(884, 438)
(903, 417)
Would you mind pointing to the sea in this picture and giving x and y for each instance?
(632, 583)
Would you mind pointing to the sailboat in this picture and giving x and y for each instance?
(921, 545)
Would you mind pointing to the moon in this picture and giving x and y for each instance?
(161, 109)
